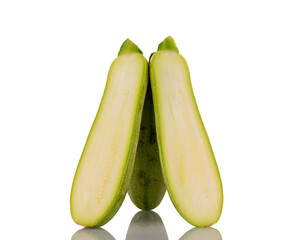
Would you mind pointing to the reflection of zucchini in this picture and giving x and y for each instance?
(146, 225)
(189, 167)
(92, 234)
(207, 233)
(147, 187)
(106, 164)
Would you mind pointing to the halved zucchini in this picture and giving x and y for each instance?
(188, 163)
(105, 167)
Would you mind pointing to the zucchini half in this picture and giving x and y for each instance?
(189, 167)
(105, 167)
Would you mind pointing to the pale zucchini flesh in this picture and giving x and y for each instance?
(188, 163)
(106, 164)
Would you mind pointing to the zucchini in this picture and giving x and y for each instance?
(147, 187)
(189, 167)
(105, 167)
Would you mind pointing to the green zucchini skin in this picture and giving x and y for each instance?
(147, 187)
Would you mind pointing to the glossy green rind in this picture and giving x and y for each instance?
(189, 167)
(147, 187)
(105, 167)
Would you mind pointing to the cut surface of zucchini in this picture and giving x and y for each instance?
(188, 163)
(106, 164)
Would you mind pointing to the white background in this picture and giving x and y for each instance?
(54, 60)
